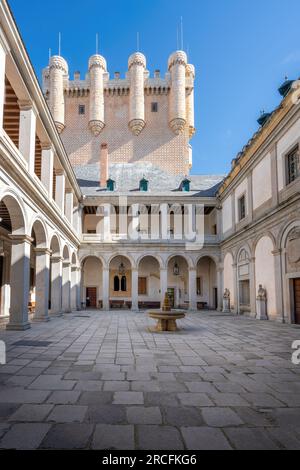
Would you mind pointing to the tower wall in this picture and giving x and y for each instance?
(58, 70)
(136, 67)
(177, 68)
(190, 101)
(97, 67)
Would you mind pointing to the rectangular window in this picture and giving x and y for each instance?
(199, 286)
(142, 286)
(81, 109)
(91, 232)
(154, 107)
(242, 208)
(293, 166)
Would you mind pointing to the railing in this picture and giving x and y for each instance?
(115, 238)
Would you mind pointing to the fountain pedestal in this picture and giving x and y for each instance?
(166, 317)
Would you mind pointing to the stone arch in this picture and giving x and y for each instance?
(74, 259)
(186, 257)
(39, 228)
(16, 210)
(150, 255)
(66, 253)
(84, 257)
(178, 283)
(55, 245)
(285, 232)
(265, 271)
(258, 238)
(123, 255)
(215, 258)
(207, 282)
(92, 295)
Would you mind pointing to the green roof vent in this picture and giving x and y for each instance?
(263, 118)
(144, 185)
(185, 186)
(110, 184)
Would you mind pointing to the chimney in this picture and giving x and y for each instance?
(103, 165)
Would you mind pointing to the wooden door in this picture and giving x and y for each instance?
(297, 300)
(91, 297)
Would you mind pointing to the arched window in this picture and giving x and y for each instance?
(124, 284)
(116, 284)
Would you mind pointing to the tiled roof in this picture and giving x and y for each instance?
(127, 178)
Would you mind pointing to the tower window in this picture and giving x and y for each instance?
(293, 165)
(242, 208)
(154, 107)
(81, 109)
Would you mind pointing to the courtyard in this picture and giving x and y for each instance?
(101, 380)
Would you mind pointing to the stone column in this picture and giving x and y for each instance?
(278, 286)
(163, 284)
(2, 81)
(42, 264)
(78, 289)
(27, 133)
(193, 289)
(74, 288)
(69, 202)
(274, 176)
(164, 221)
(135, 289)
(47, 168)
(235, 301)
(60, 190)
(19, 283)
(66, 287)
(105, 288)
(56, 285)
(220, 288)
(252, 288)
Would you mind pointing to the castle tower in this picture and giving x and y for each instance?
(137, 67)
(58, 71)
(190, 101)
(177, 105)
(97, 68)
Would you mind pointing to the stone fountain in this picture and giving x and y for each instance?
(166, 317)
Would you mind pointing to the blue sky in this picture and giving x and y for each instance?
(242, 50)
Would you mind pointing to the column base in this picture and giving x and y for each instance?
(56, 314)
(41, 320)
(18, 327)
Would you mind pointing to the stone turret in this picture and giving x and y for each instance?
(137, 67)
(58, 72)
(177, 105)
(97, 68)
(190, 102)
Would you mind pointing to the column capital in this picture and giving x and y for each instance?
(56, 259)
(21, 239)
(60, 172)
(27, 105)
(66, 263)
(42, 251)
(47, 146)
(69, 191)
(277, 252)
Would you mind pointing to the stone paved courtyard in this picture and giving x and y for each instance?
(95, 380)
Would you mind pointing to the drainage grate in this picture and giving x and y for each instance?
(33, 344)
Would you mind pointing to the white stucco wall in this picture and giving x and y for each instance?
(261, 181)
(92, 276)
(227, 214)
(206, 270)
(264, 271)
(284, 145)
(149, 268)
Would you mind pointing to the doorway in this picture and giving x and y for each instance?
(1, 282)
(91, 297)
(297, 300)
(171, 294)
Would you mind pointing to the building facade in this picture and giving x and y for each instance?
(99, 209)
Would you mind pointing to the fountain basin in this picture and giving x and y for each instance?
(166, 321)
